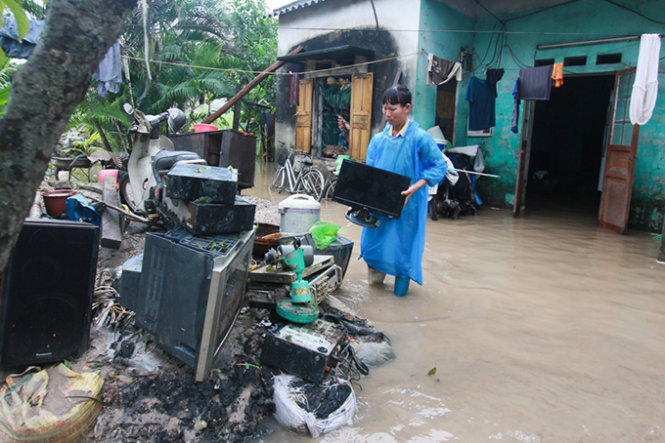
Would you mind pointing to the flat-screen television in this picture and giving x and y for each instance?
(366, 187)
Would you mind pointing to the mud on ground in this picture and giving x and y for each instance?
(150, 396)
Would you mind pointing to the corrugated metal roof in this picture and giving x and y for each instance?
(298, 4)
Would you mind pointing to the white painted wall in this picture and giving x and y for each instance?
(400, 17)
(397, 15)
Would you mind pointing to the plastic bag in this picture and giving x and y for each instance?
(324, 234)
(28, 414)
(78, 209)
(311, 407)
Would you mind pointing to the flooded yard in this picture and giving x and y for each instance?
(539, 329)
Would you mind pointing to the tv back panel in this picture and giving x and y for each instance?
(377, 190)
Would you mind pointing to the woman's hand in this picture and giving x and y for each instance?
(412, 189)
(342, 124)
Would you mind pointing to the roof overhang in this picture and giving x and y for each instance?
(345, 54)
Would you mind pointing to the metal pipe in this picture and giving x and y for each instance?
(475, 173)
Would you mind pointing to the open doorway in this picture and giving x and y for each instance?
(333, 101)
(568, 144)
(446, 103)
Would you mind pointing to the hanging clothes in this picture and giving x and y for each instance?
(493, 76)
(9, 39)
(645, 88)
(440, 71)
(396, 246)
(514, 121)
(109, 71)
(557, 74)
(536, 83)
(294, 88)
(482, 99)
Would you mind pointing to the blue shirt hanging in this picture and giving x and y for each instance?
(481, 97)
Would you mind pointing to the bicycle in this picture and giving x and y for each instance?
(309, 179)
(331, 181)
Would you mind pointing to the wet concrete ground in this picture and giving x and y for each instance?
(541, 329)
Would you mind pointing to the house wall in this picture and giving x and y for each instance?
(585, 20)
(348, 22)
(439, 25)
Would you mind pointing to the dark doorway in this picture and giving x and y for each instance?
(567, 146)
(445, 109)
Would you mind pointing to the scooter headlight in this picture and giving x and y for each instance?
(176, 119)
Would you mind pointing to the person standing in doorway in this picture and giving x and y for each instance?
(396, 246)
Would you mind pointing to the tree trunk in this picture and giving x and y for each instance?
(44, 93)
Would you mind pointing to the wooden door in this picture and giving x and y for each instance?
(304, 115)
(361, 114)
(522, 177)
(620, 158)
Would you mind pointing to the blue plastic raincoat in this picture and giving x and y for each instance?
(396, 246)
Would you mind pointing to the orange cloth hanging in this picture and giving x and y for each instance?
(557, 74)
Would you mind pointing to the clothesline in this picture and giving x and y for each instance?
(468, 31)
(246, 71)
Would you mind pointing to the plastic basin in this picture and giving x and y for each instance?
(204, 127)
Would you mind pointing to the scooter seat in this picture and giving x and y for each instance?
(165, 160)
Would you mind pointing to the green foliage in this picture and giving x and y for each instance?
(84, 148)
(201, 45)
(6, 67)
(36, 9)
(16, 8)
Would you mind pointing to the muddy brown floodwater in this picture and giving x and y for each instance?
(541, 329)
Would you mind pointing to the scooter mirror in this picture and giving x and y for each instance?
(176, 119)
(129, 109)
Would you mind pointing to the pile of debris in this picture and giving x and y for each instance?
(150, 396)
(211, 362)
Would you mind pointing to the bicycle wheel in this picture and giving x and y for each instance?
(278, 180)
(311, 182)
(330, 189)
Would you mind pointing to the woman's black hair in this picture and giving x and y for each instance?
(397, 95)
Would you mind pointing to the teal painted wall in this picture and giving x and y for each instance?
(437, 22)
(583, 20)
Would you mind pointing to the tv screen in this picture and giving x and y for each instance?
(377, 190)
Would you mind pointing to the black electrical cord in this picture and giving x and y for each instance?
(541, 10)
(482, 62)
(490, 12)
(619, 5)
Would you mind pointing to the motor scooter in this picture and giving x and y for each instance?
(151, 157)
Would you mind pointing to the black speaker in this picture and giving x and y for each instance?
(47, 295)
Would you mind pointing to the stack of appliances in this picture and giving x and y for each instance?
(203, 200)
(222, 148)
(187, 287)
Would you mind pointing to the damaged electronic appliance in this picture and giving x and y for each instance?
(190, 292)
(203, 199)
(370, 191)
(302, 350)
(46, 292)
(296, 257)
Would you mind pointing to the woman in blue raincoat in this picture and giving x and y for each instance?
(396, 246)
